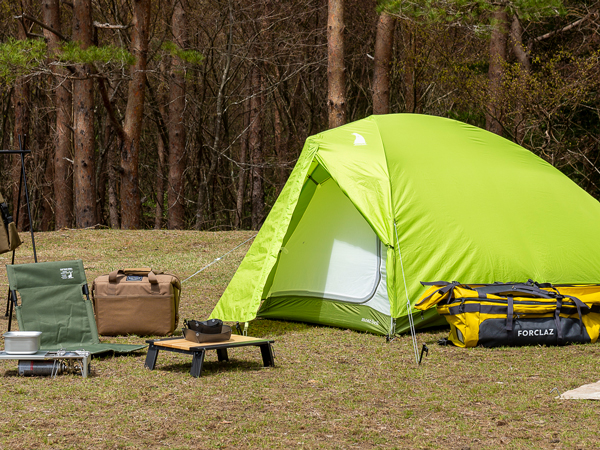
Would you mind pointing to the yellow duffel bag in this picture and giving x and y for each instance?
(516, 314)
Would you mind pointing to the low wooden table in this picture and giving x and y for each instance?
(180, 345)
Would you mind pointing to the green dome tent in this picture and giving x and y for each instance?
(376, 206)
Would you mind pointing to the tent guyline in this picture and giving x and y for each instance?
(219, 258)
(411, 322)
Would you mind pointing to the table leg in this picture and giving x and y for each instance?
(197, 362)
(222, 354)
(267, 355)
(151, 357)
(85, 366)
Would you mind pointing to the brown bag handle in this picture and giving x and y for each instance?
(112, 277)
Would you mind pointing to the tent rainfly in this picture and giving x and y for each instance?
(374, 207)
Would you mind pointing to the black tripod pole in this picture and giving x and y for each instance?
(23, 180)
(9, 304)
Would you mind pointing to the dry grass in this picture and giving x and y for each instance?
(331, 388)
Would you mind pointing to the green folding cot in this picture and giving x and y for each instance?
(54, 299)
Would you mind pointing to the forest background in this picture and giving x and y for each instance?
(187, 114)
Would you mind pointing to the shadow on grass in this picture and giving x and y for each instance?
(270, 327)
(15, 374)
(210, 368)
(141, 353)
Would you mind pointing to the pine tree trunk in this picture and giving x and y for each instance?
(160, 185)
(383, 59)
(411, 87)
(112, 131)
(516, 37)
(516, 34)
(46, 190)
(63, 157)
(130, 150)
(102, 168)
(255, 148)
(113, 190)
(84, 173)
(159, 105)
(6, 135)
(278, 144)
(177, 134)
(203, 208)
(63, 170)
(243, 173)
(498, 45)
(336, 77)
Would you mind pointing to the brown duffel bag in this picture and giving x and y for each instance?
(136, 301)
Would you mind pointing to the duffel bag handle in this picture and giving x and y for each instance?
(112, 277)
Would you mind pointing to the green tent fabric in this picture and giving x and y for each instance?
(443, 200)
(53, 302)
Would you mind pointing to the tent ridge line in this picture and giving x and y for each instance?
(393, 247)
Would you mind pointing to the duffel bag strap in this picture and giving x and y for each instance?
(435, 283)
(514, 288)
(579, 304)
(445, 289)
(112, 277)
(559, 335)
(509, 314)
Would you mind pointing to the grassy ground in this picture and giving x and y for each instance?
(331, 388)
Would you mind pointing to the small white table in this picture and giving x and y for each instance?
(59, 355)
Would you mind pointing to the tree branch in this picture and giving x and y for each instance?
(43, 25)
(109, 108)
(35, 35)
(111, 27)
(566, 28)
(164, 134)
